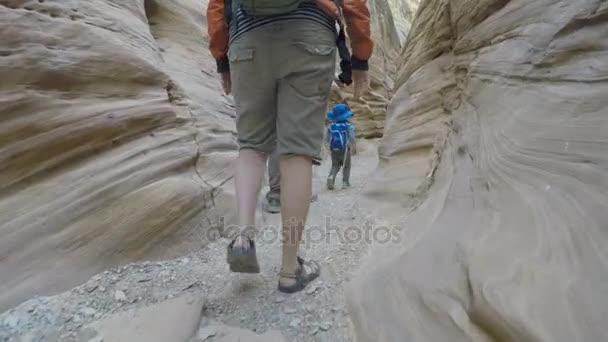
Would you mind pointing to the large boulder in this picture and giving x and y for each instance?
(494, 162)
(114, 138)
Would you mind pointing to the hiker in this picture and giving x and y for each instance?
(278, 58)
(273, 196)
(340, 140)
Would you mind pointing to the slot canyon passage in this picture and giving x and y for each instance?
(483, 148)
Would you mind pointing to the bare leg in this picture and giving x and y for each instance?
(250, 167)
(296, 189)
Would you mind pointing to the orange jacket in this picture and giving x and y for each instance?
(357, 24)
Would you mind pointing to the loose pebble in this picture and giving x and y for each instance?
(120, 296)
(325, 325)
(295, 323)
(88, 311)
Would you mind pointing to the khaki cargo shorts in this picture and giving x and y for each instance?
(281, 79)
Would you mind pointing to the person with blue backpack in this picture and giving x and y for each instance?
(341, 142)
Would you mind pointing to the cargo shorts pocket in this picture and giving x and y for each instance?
(316, 49)
(319, 60)
(240, 54)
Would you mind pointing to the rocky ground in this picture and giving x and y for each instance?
(247, 301)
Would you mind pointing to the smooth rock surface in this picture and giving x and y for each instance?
(173, 320)
(496, 141)
(115, 140)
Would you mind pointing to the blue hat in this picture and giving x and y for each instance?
(340, 112)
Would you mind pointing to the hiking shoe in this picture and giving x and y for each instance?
(345, 184)
(272, 205)
(306, 273)
(330, 182)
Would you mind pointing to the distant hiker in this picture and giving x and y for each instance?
(340, 139)
(278, 57)
(273, 196)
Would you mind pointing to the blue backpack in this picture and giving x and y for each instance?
(338, 140)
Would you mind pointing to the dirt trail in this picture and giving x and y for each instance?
(247, 301)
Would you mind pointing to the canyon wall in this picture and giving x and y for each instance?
(114, 138)
(494, 163)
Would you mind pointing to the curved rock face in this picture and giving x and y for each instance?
(114, 138)
(497, 142)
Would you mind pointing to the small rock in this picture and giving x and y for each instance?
(325, 325)
(279, 299)
(91, 286)
(11, 321)
(185, 260)
(311, 290)
(102, 289)
(169, 296)
(77, 318)
(164, 274)
(315, 330)
(114, 279)
(144, 280)
(335, 309)
(96, 339)
(295, 323)
(290, 310)
(88, 311)
(120, 296)
(309, 308)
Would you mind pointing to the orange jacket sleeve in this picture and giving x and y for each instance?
(218, 33)
(358, 28)
(356, 15)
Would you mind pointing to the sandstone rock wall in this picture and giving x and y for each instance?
(114, 138)
(494, 162)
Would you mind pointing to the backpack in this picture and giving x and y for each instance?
(262, 8)
(338, 140)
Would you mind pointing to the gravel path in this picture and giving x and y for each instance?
(247, 301)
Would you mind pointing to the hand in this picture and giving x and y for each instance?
(360, 83)
(226, 83)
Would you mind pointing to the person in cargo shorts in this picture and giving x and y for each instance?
(278, 58)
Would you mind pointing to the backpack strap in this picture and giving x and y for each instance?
(345, 59)
(228, 11)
